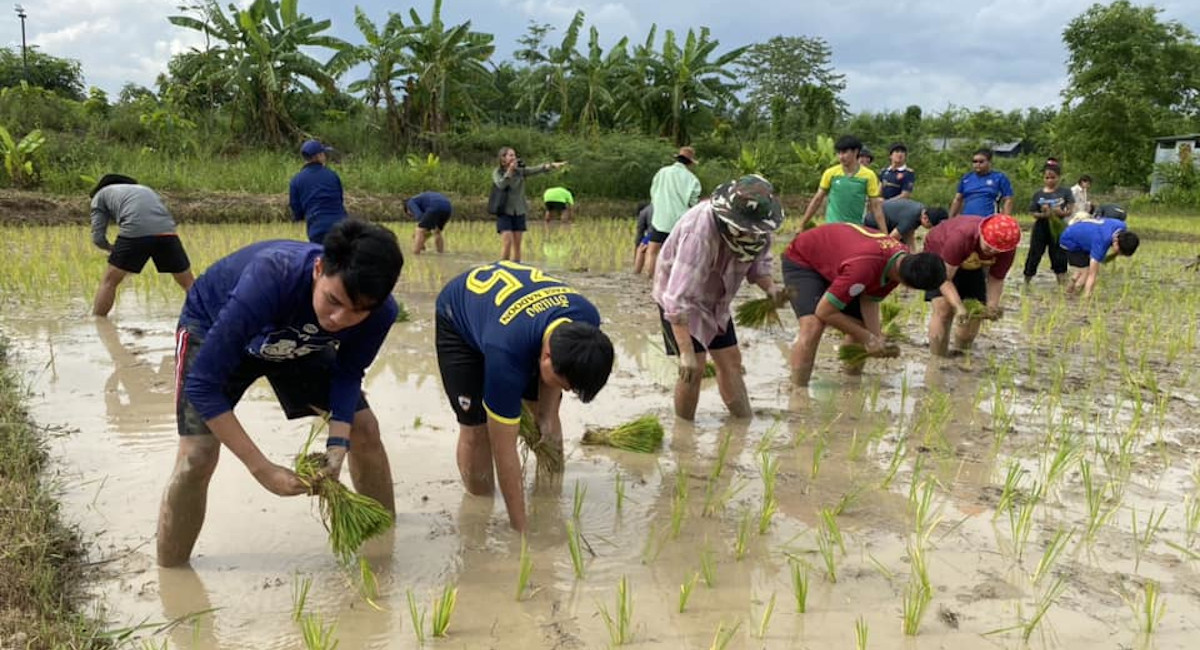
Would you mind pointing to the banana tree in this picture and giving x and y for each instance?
(691, 82)
(383, 52)
(447, 63)
(593, 76)
(18, 156)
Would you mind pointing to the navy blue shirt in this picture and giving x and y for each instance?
(892, 182)
(504, 310)
(257, 302)
(315, 195)
(431, 202)
(982, 193)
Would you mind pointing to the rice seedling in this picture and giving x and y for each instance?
(368, 585)
(418, 618)
(722, 455)
(853, 354)
(1054, 550)
(710, 370)
(685, 590)
(1149, 608)
(769, 472)
(300, 588)
(443, 609)
(1020, 521)
(1191, 518)
(830, 525)
(351, 518)
(894, 463)
(764, 621)
(761, 312)
(742, 540)
(708, 567)
(1064, 455)
(575, 547)
(549, 457)
(819, 446)
(643, 435)
(679, 502)
(769, 506)
(799, 584)
(889, 318)
(913, 605)
(619, 487)
(402, 312)
(1097, 514)
(1042, 607)
(524, 570)
(1142, 541)
(921, 504)
(860, 633)
(975, 308)
(577, 498)
(825, 548)
(620, 629)
(1012, 486)
(723, 636)
(316, 635)
(714, 501)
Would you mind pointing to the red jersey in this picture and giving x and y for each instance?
(854, 259)
(956, 241)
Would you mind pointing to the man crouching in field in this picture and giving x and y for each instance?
(506, 332)
(1092, 242)
(309, 318)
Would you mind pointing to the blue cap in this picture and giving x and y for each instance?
(311, 148)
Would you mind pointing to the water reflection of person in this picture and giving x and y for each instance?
(137, 394)
(183, 596)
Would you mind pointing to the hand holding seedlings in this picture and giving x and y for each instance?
(689, 366)
(335, 454)
(280, 480)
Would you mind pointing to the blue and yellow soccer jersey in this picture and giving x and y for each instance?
(505, 310)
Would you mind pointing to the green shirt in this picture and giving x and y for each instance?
(674, 190)
(558, 194)
(848, 193)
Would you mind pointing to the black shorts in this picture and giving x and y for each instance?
(556, 206)
(656, 236)
(510, 222)
(462, 369)
(806, 288)
(726, 339)
(433, 220)
(301, 385)
(970, 284)
(130, 254)
(1078, 259)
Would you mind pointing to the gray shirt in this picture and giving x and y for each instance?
(901, 214)
(515, 203)
(137, 209)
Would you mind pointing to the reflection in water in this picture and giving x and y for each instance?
(138, 395)
(187, 607)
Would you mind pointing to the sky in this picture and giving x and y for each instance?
(1005, 54)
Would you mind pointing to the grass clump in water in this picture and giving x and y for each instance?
(644, 435)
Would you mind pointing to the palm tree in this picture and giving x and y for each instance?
(690, 81)
(383, 53)
(261, 47)
(446, 62)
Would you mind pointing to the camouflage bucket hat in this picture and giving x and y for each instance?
(748, 205)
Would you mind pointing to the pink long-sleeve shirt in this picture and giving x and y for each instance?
(697, 275)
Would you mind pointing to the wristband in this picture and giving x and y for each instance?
(333, 441)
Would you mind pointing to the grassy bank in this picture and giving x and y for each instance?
(40, 556)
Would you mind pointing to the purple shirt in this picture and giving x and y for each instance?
(697, 275)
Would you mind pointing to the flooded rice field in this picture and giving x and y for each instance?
(1042, 491)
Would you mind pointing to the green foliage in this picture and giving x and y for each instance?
(63, 77)
(24, 108)
(18, 156)
(791, 82)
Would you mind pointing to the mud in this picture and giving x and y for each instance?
(104, 390)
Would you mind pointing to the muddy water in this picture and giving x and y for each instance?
(104, 391)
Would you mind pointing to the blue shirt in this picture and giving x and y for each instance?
(428, 202)
(892, 182)
(504, 311)
(1091, 237)
(982, 193)
(315, 195)
(257, 303)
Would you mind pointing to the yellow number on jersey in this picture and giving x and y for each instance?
(488, 277)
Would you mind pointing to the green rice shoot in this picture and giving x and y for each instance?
(889, 318)
(548, 457)
(975, 308)
(643, 435)
(710, 370)
(351, 518)
(761, 312)
(855, 353)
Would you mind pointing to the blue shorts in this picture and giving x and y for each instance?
(510, 222)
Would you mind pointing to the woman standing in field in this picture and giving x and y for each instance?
(509, 177)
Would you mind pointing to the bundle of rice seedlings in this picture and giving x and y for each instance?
(761, 312)
(889, 316)
(351, 518)
(975, 308)
(1057, 226)
(856, 354)
(548, 457)
(643, 435)
(710, 370)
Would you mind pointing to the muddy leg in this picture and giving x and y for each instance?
(687, 394)
(182, 511)
(730, 382)
(804, 349)
(106, 294)
(475, 459)
(652, 257)
(369, 468)
(939, 326)
(419, 240)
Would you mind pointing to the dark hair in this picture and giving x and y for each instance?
(936, 215)
(640, 206)
(925, 271)
(111, 179)
(366, 257)
(985, 152)
(1085, 177)
(897, 146)
(583, 355)
(1127, 242)
(847, 142)
(1048, 167)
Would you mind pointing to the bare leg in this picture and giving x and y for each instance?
(475, 459)
(106, 294)
(438, 242)
(369, 468)
(687, 395)
(506, 243)
(639, 258)
(184, 279)
(652, 257)
(730, 381)
(419, 240)
(939, 326)
(965, 333)
(804, 349)
(184, 501)
(517, 236)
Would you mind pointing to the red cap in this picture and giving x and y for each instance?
(1001, 232)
